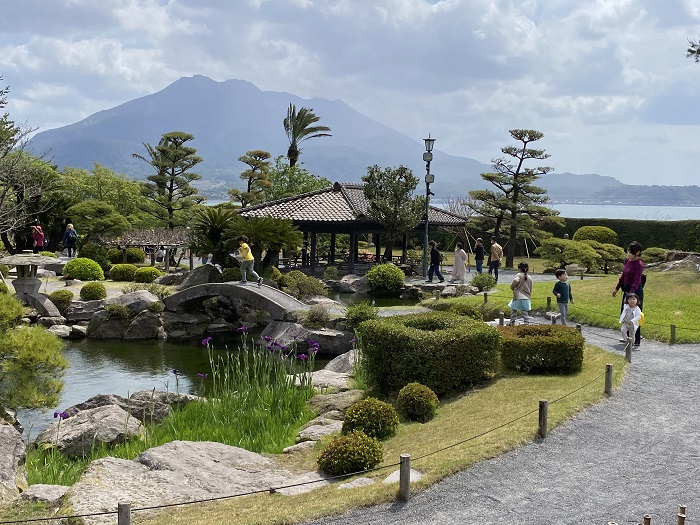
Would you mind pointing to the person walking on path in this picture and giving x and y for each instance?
(434, 263)
(459, 270)
(632, 281)
(495, 258)
(630, 317)
(245, 257)
(562, 291)
(522, 290)
(37, 238)
(479, 255)
(70, 240)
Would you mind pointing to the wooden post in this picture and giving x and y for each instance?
(501, 318)
(681, 515)
(191, 260)
(608, 378)
(549, 304)
(486, 297)
(647, 519)
(124, 513)
(405, 477)
(544, 408)
(579, 328)
(673, 334)
(628, 350)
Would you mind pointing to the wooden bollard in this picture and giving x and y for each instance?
(405, 477)
(549, 304)
(647, 519)
(544, 409)
(579, 328)
(501, 318)
(628, 350)
(673, 334)
(486, 297)
(124, 513)
(608, 379)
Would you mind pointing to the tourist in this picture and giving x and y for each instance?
(70, 240)
(38, 238)
(522, 290)
(434, 263)
(630, 316)
(459, 270)
(479, 255)
(495, 258)
(245, 257)
(632, 282)
(562, 291)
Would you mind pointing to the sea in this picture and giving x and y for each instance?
(642, 213)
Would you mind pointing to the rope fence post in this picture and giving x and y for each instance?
(647, 519)
(681, 515)
(501, 319)
(486, 297)
(628, 350)
(579, 328)
(673, 334)
(549, 304)
(405, 477)
(608, 379)
(124, 513)
(544, 409)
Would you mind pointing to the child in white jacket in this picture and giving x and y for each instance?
(629, 318)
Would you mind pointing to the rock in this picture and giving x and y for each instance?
(83, 310)
(299, 447)
(325, 379)
(101, 327)
(353, 284)
(341, 401)
(136, 301)
(220, 328)
(43, 272)
(61, 330)
(331, 342)
(356, 483)
(395, 476)
(56, 268)
(207, 273)
(13, 477)
(317, 432)
(171, 278)
(146, 325)
(184, 326)
(78, 435)
(48, 494)
(344, 363)
(78, 332)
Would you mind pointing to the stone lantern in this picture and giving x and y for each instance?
(27, 284)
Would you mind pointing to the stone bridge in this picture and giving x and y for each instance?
(281, 306)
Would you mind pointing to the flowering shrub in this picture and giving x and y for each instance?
(353, 452)
(375, 418)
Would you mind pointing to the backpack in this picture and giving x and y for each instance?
(72, 235)
(441, 257)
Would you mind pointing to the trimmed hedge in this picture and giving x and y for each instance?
(84, 269)
(372, 416)
(62, 299)
(133, 255)
(147, 274)
(92, 291)
(442, 351)
(352, 452)
(457, 307)
(542, 349)
(122, 272)
(386, 278)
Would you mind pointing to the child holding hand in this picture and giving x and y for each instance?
(629, 318)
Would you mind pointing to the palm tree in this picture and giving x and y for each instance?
(298, 127)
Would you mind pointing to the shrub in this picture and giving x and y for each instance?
(386, 278)
(231, 274)
(317, 316)
(133, 255)
(159, 290)
(156, 307)
(330, 273)
(457, 307)
(353, 452)
(146, 274)
(5, 270)
(356, 313)
(542, 348)
(375, 418)
(483, 281)
(417, 402)
(302, 286)
(11, 311)
(272, 273)
(62, 299)
(117, 311)
(83, 269)
(443, 351)
(92, 291)
(4, 289)
(97, 253)
(122, 272)
(48, 254)
(655, 255)
(115, 256)
(602, 234)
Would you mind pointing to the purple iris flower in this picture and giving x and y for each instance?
(207, 340)
(203, 376)
(302, 357)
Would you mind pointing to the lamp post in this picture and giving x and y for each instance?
(429, 179)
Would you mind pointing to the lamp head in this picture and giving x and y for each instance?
(429, 142)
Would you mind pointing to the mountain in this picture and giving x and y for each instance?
(232, 117)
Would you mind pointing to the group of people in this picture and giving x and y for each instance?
(631, 282)
(69, 240)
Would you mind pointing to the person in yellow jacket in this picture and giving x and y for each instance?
(245, 257)
(496, 257)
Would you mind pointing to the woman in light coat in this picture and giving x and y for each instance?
(459, 270)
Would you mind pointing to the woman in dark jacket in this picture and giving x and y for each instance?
(631, 280)
(434, 263)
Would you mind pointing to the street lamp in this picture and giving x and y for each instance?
(429, 179)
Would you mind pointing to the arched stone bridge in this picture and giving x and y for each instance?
(278, 304)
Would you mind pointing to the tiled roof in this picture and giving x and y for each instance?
(338, 203)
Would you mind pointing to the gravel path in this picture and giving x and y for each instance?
(628, 456)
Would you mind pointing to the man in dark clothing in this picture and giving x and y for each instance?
(479, 255)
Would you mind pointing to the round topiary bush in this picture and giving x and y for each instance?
(302, 286)
(115, 255)
(83, 269)
(135, 255)
(330, 273)
(97, 253)
(602, 234)
(92, 291)
(122, 272)
(387, 278)
(359, 312)
(272, 273)
(147, 274)
(62, 299)
(417, 402)
(375, 418)
(655, 255)
(352, 452)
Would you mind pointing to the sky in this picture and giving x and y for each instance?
(606, 81)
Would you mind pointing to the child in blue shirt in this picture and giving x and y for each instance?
(562, 291)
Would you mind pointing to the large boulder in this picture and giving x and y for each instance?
(146, 325)
(184, 326)
(102, 327)
(174, 278)
(341, 401)
(79, 434)
(135, 302)
(333, 342)
(204, 274)
(13, 476)
(353, 284)
(83, 310)
(343, 364)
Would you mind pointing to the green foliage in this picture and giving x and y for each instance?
(317, 316)
(387, 278)
(159, 290)
(272, 273)
(445, 352)
(303, 286)
(84, 269)
(146, 274)
(97, 253)
(601, 234)
(156, 307)
(359, 312)
(611, 255)
(61, 298)
(375, 418)
(48, 254)
(298, 125)
(133, 255)
(122, 272)
(98, 220)
(483, 281)
(563, 252)
(330, 273)
(542, 349)
(231, 274)
(457, 307)
(288, 181)
(655, 255)
(417, 402)
(31, 365)
(11, 312)
(353, 452)
(256, 177)
(268, 235)
(4, 289)
(118, 311)
(4, 270)
(211, 233)
(92, 291)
